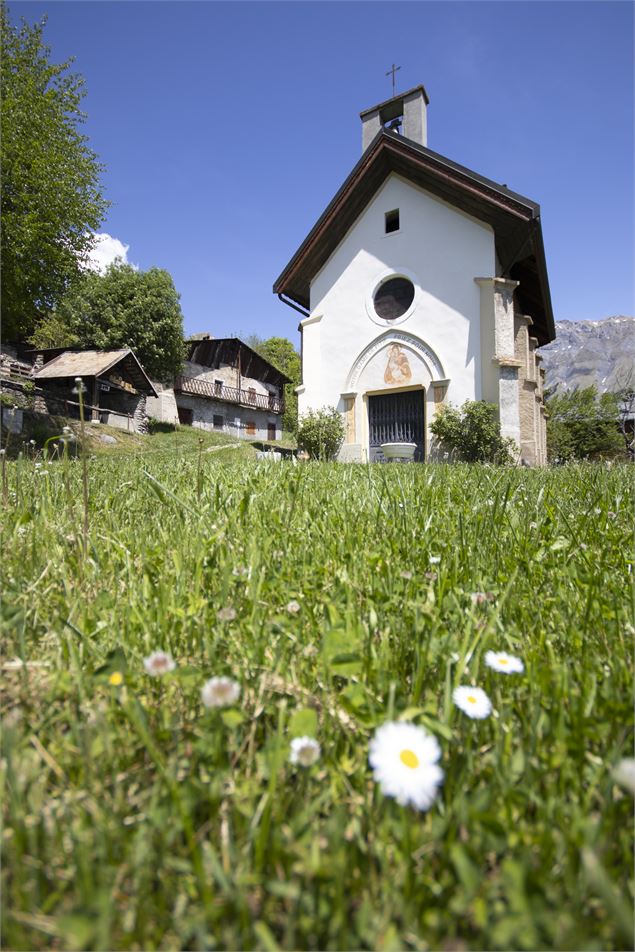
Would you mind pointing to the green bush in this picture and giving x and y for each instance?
(471, 433)
(321, 433)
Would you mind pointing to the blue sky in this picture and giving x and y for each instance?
(226, 128)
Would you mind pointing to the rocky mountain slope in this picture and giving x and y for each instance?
(591, 352)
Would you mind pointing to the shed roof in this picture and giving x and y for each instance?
(514, 218)
(95, 363)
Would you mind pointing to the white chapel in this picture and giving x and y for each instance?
(421, 283)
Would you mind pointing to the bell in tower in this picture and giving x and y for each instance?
(404, 114)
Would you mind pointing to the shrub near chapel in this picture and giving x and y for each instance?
(472, 433)
(321, 433)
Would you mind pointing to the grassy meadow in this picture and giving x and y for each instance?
(137, 818)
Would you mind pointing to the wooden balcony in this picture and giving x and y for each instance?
(213, 391)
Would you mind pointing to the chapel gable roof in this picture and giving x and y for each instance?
(514, 218)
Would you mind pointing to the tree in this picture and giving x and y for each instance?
(282, 354)
(122, 308)
(321, 433)
(51, 197)
(583, 424)
(625, 395)
(472, 433)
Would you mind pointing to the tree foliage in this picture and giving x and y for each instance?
(280, 352)
(122, 308)
(583, 424)
(51, 197)
(471, 433)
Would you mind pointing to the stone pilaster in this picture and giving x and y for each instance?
(505, 356)
(498, 348)
(527, 389)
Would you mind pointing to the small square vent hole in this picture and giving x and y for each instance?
(392, 221)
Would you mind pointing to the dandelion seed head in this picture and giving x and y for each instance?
(293, 607)
(226, 614)
(159, 663)
(481, 598)
(624, 773)
(305, 751)
(220, 692)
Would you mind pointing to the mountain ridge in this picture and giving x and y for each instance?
(586, 353)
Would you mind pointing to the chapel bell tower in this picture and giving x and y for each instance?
(405, 113)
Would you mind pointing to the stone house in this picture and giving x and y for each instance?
(116, 386)
(226, 386)
(421, 283)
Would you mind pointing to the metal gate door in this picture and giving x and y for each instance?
(396, 418)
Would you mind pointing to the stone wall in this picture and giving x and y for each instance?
(533, 444)
(243, 422)
(163, 406)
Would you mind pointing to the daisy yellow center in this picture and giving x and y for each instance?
(503, 661)
(409, 758)
(471, 699)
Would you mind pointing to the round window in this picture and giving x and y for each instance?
(393, 298)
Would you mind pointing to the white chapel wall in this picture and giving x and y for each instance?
(442, 250)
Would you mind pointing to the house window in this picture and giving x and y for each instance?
(218, 422)
(218, 387)
(392, 221)
(186, 416)
(251, 428)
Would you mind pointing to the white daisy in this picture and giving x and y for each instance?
(435, 559)
(293, 607)
(404, 761)
(220, 692)
(158, 663)
(501, 661)
(473, 701)
(304, 751)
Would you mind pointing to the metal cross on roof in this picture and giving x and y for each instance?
(394, 69)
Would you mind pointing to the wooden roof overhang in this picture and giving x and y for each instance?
(229, 350)
(72, 363)
(514, 219)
